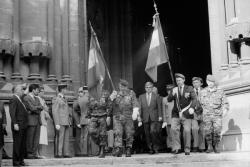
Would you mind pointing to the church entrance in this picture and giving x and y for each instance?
(186, 29)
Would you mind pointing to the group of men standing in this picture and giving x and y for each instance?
(198, 110)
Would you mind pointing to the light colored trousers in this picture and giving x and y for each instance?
(63, 140)
(175, 126)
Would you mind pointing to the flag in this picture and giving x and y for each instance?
(96, 66)
(157, 54)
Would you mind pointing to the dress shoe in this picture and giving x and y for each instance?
(156, 151)
(67, 156)
(58, 156)
(195, 150)
(151, 152)
(23, 164)
(176, 152)
(215, 148)
(128, 152)
(187, 153)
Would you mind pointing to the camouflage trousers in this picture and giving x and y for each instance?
(122, 126)
(98, 130)
(212, 128)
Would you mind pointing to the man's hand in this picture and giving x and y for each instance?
(164, 125)
(113, 95)
(108, 120)
(57, 127)
(160, 119)
(136, 113)
(191, 111)
(16, 127)
(175, 90)
(4, 126)
(79, 125)
(139, 124)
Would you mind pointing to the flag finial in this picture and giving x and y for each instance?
(155, 6)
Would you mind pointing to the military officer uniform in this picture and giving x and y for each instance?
(215, 105)
(98, 111)
(124, 105)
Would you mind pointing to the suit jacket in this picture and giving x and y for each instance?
(153, 110)
(60, 111)
(2, 121)
(167, 108)
(80, 108)
(34, 108)
(188, 96)
(18, 113)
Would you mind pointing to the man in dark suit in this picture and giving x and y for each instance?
(80, 108)
(2, 129)
(34, 107)
(182, 114)
(151, 114)
(19, 120)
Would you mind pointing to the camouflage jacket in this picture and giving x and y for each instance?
(213, 102)
(124, 103)
(99, 107)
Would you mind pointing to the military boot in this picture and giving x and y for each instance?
(209, 148)
(216, 148)
(102, 153)
(128, 152)
(117, 152)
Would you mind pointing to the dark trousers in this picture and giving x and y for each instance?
(81, 140)
(33, 135)
(19, 144)
(151, 129)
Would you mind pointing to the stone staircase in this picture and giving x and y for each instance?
(234, 159)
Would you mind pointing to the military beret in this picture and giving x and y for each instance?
(85, 88)
(211, 78)
(62, 85)
(197, 78)
(169, 86)
(148, 84)
(123, 82)
(179, 75)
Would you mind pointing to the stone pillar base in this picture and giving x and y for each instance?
(67, 80)
(16, 77)
(52, 79)
(2, 77)
(34, 78)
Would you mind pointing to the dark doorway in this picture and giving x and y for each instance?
(186, 28)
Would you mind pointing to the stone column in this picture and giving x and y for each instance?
(51, 38)
(233, 55)
(245, 52)
(218, 43)
(65, 43)
(16, 37)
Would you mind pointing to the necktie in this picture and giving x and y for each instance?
(197, 91)
(180, 90)
(148, 98)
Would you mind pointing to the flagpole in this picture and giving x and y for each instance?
(105, 64)
(169, 65)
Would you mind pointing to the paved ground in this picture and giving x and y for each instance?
(233, 159)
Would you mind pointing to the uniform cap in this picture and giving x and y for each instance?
(211, 78)
(197, 78)
(123, 82)
(169, 86)
(179, 75)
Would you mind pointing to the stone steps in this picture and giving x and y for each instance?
(144, 159)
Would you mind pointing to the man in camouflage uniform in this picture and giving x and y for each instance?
(215, 106)
(125, 110)
(99, 111)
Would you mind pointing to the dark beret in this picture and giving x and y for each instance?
(123, 82)
(211, 78)
(85, 88)
(179, 75)
(197, 78)
(169, 86)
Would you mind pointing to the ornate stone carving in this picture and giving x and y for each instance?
(35, 48)
(7, 46)
(238, 30)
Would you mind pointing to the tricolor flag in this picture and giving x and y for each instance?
(157, 54)
(96, 67)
